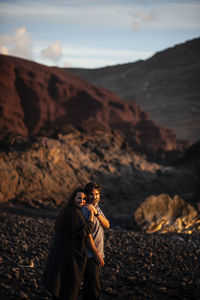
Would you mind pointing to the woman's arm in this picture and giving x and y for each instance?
(91, 216)
(79, 226)
(93, 248)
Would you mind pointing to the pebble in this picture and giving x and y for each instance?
(22, 295)
(137, 265)
(8, 276)
(25, 247)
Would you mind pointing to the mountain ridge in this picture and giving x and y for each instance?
(167, 85)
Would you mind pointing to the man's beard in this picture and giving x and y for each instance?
(93, 202)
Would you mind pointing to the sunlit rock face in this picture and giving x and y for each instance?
(165, 214)
(34, 97)
(41, 170)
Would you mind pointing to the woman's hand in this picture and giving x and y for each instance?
(91, 208)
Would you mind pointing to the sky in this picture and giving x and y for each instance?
(95, 33)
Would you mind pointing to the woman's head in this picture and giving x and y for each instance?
(77, 198)
(92, 191)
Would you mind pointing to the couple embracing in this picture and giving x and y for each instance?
(77, 251)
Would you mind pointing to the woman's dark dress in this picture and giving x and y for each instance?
(67, 257)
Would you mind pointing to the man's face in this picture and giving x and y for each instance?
(94, 197)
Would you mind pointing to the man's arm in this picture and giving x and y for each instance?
(103, 221)
(97, 255)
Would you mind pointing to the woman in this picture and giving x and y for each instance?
(67, 258)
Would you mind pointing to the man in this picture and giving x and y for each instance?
(95, 252)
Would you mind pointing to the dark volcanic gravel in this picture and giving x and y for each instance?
(138, 265)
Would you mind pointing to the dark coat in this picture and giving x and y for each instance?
(67, 257)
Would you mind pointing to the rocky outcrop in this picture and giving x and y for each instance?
(34, 97)
(165, 214)
(166, 85)
(42, 171)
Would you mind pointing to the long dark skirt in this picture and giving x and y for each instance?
(65, 269)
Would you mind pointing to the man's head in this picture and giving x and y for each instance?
(93, 190)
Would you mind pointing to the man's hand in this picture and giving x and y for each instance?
(99, 259)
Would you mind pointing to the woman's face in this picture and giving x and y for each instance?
(80, 199)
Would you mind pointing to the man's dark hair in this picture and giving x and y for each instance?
(90, 186)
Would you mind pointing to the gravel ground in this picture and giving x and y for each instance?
(137, 265)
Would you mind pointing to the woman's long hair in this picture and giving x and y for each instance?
(70, 204)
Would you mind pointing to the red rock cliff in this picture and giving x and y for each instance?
(34, 96)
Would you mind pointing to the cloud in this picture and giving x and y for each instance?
(53, 52)
(173, 14)
(147, 17)
(4, 41)
(18, 45)
(140, 18)
(3, 50)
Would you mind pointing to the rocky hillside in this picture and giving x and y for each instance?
(34, 97)
(166, 85)
(59, 132)
(42, 171)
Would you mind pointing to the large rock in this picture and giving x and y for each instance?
(165, 214)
